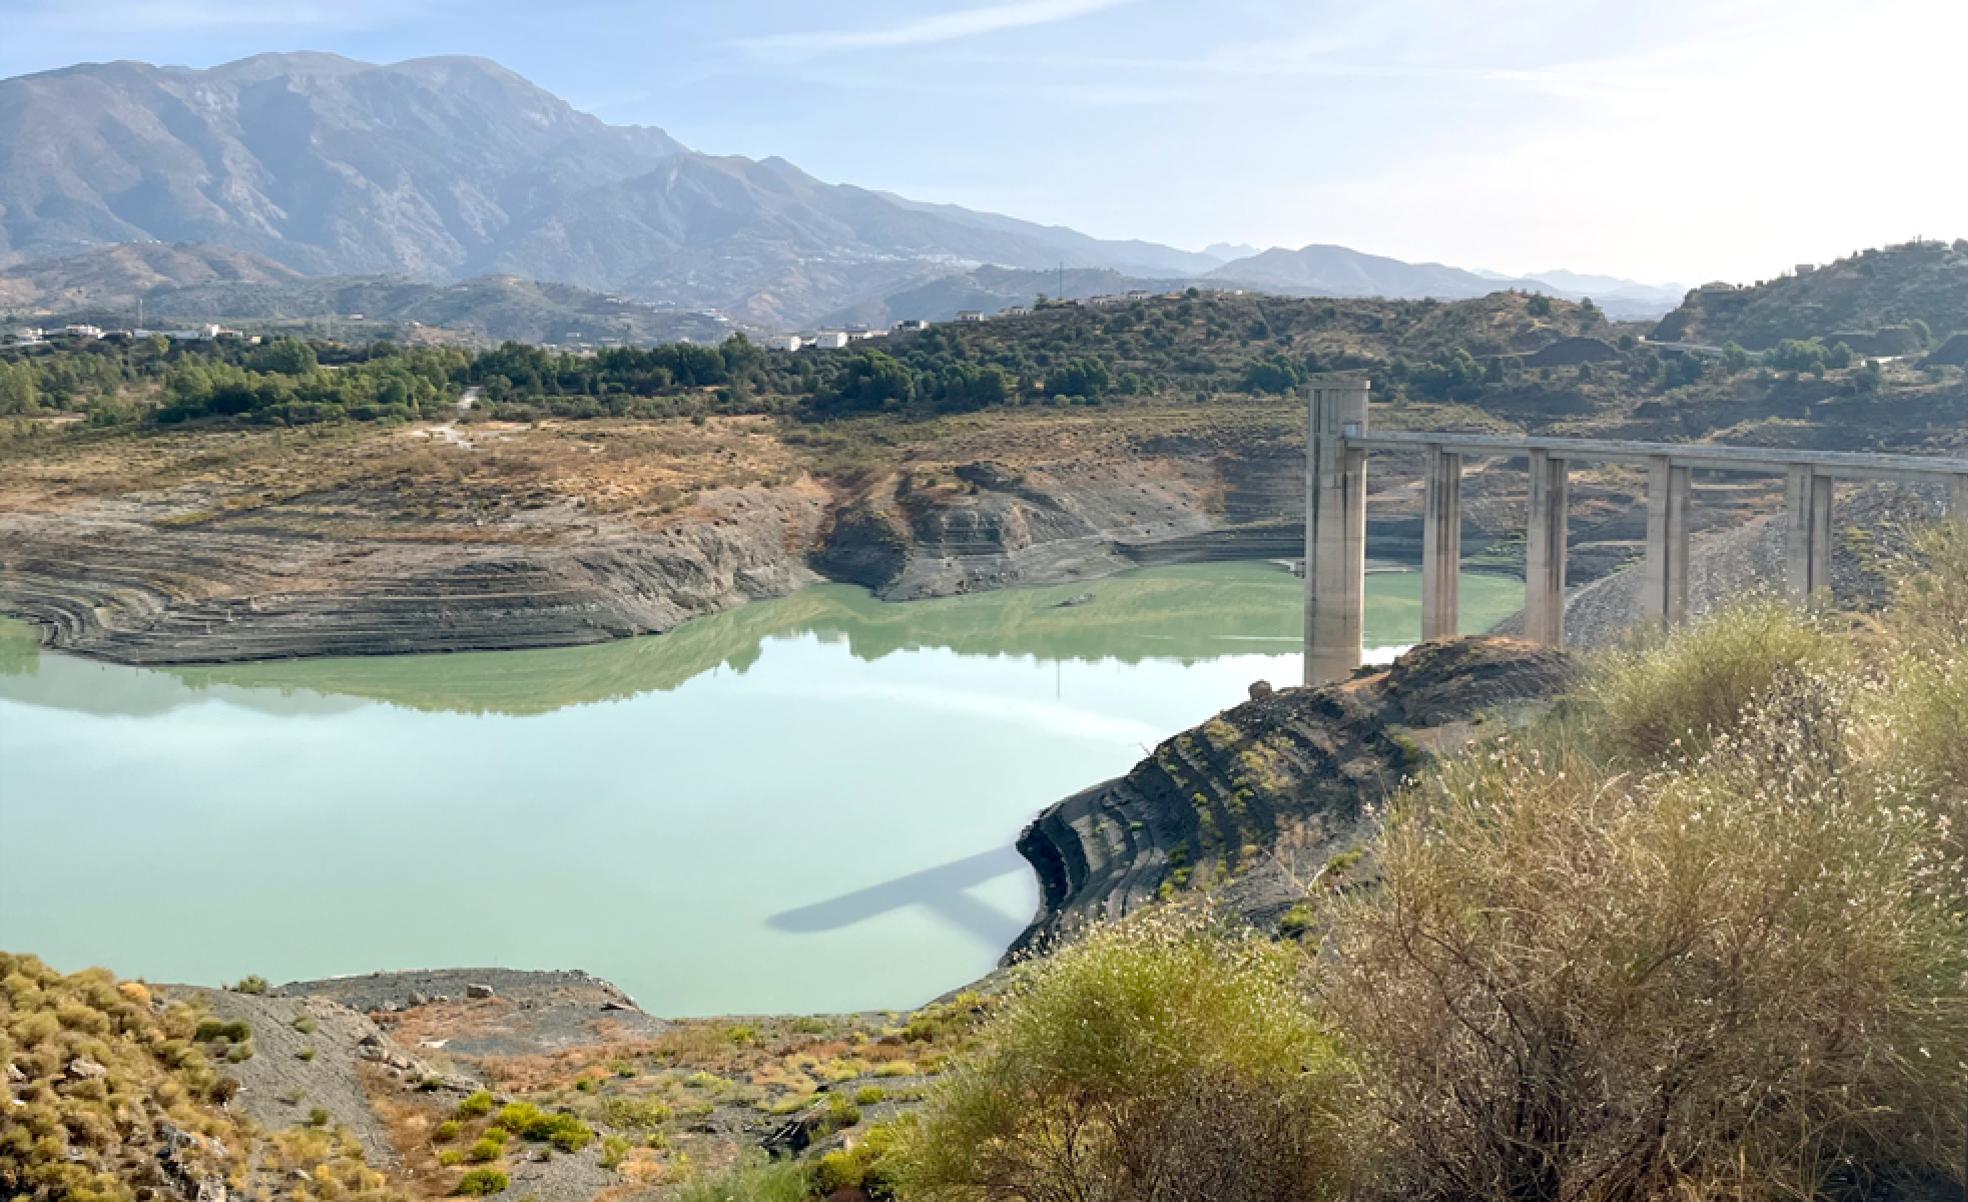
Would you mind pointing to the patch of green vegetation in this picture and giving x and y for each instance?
(480, 1183)
(614, 1150)
(564, 1131)
(634, 1113)
(754, 1179)
(213, 1030)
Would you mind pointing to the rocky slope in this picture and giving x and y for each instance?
(107, 582)
(1258, 799)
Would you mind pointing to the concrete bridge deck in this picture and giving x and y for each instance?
(1339, 439)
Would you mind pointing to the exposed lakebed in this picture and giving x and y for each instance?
(805, 804)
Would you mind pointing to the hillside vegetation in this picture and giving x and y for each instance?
(1921, 286)
(1190, 346)
(114, 1094)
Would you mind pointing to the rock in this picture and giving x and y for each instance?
(419, 998)
(14, 1075)
(1304, 763)
(84, 1069)
(1075, 601)
(1261, 689)
(478, 991)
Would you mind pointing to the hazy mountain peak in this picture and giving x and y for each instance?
(277, 63)
(1227, 252)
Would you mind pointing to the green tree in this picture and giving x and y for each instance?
(19, 391)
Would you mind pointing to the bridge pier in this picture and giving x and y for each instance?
(1544, 550)
(1441, 547)
(1807, 531)
(1337, 442)
(1335, 530)
(1670, 493)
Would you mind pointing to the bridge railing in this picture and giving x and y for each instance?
(1339, 439)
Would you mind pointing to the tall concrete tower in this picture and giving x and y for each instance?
(1335, 528)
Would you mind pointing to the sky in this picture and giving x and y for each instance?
(1670, 140)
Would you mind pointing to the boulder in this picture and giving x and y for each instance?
(84, 1069)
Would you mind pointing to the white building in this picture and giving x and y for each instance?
(82, 332)
(911, 324)
(29, 336)
(788, 342)
(970, 315)
(1014, 311)
(831, 340)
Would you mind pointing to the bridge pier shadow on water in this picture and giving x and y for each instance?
(944, 891)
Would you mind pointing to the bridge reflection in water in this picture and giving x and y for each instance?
(943, 891)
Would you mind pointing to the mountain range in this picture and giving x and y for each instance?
(446, 169)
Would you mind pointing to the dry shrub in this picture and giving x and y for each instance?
(1740, 976)
(1158, 1060)
(1671, 697)
(1925, 711)
(1930, 593)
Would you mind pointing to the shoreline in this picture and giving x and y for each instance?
(48, 632)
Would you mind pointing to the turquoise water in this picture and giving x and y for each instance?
(803, 805)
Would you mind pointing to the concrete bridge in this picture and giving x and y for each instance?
(1337, 443)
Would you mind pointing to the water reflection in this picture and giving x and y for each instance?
(944, 891)
(1180, 614)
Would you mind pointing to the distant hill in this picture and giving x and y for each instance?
(116, 276)
(1865, 293)
(1322, 270)
(1338, 271)
(1620, 297)
(192, 285)
(489, 308)
(991, 290)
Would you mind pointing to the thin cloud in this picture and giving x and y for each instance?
(941, 27)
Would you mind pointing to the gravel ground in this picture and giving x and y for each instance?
(493, 1011)
(279, 1087)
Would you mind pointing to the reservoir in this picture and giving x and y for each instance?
(806, 804)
